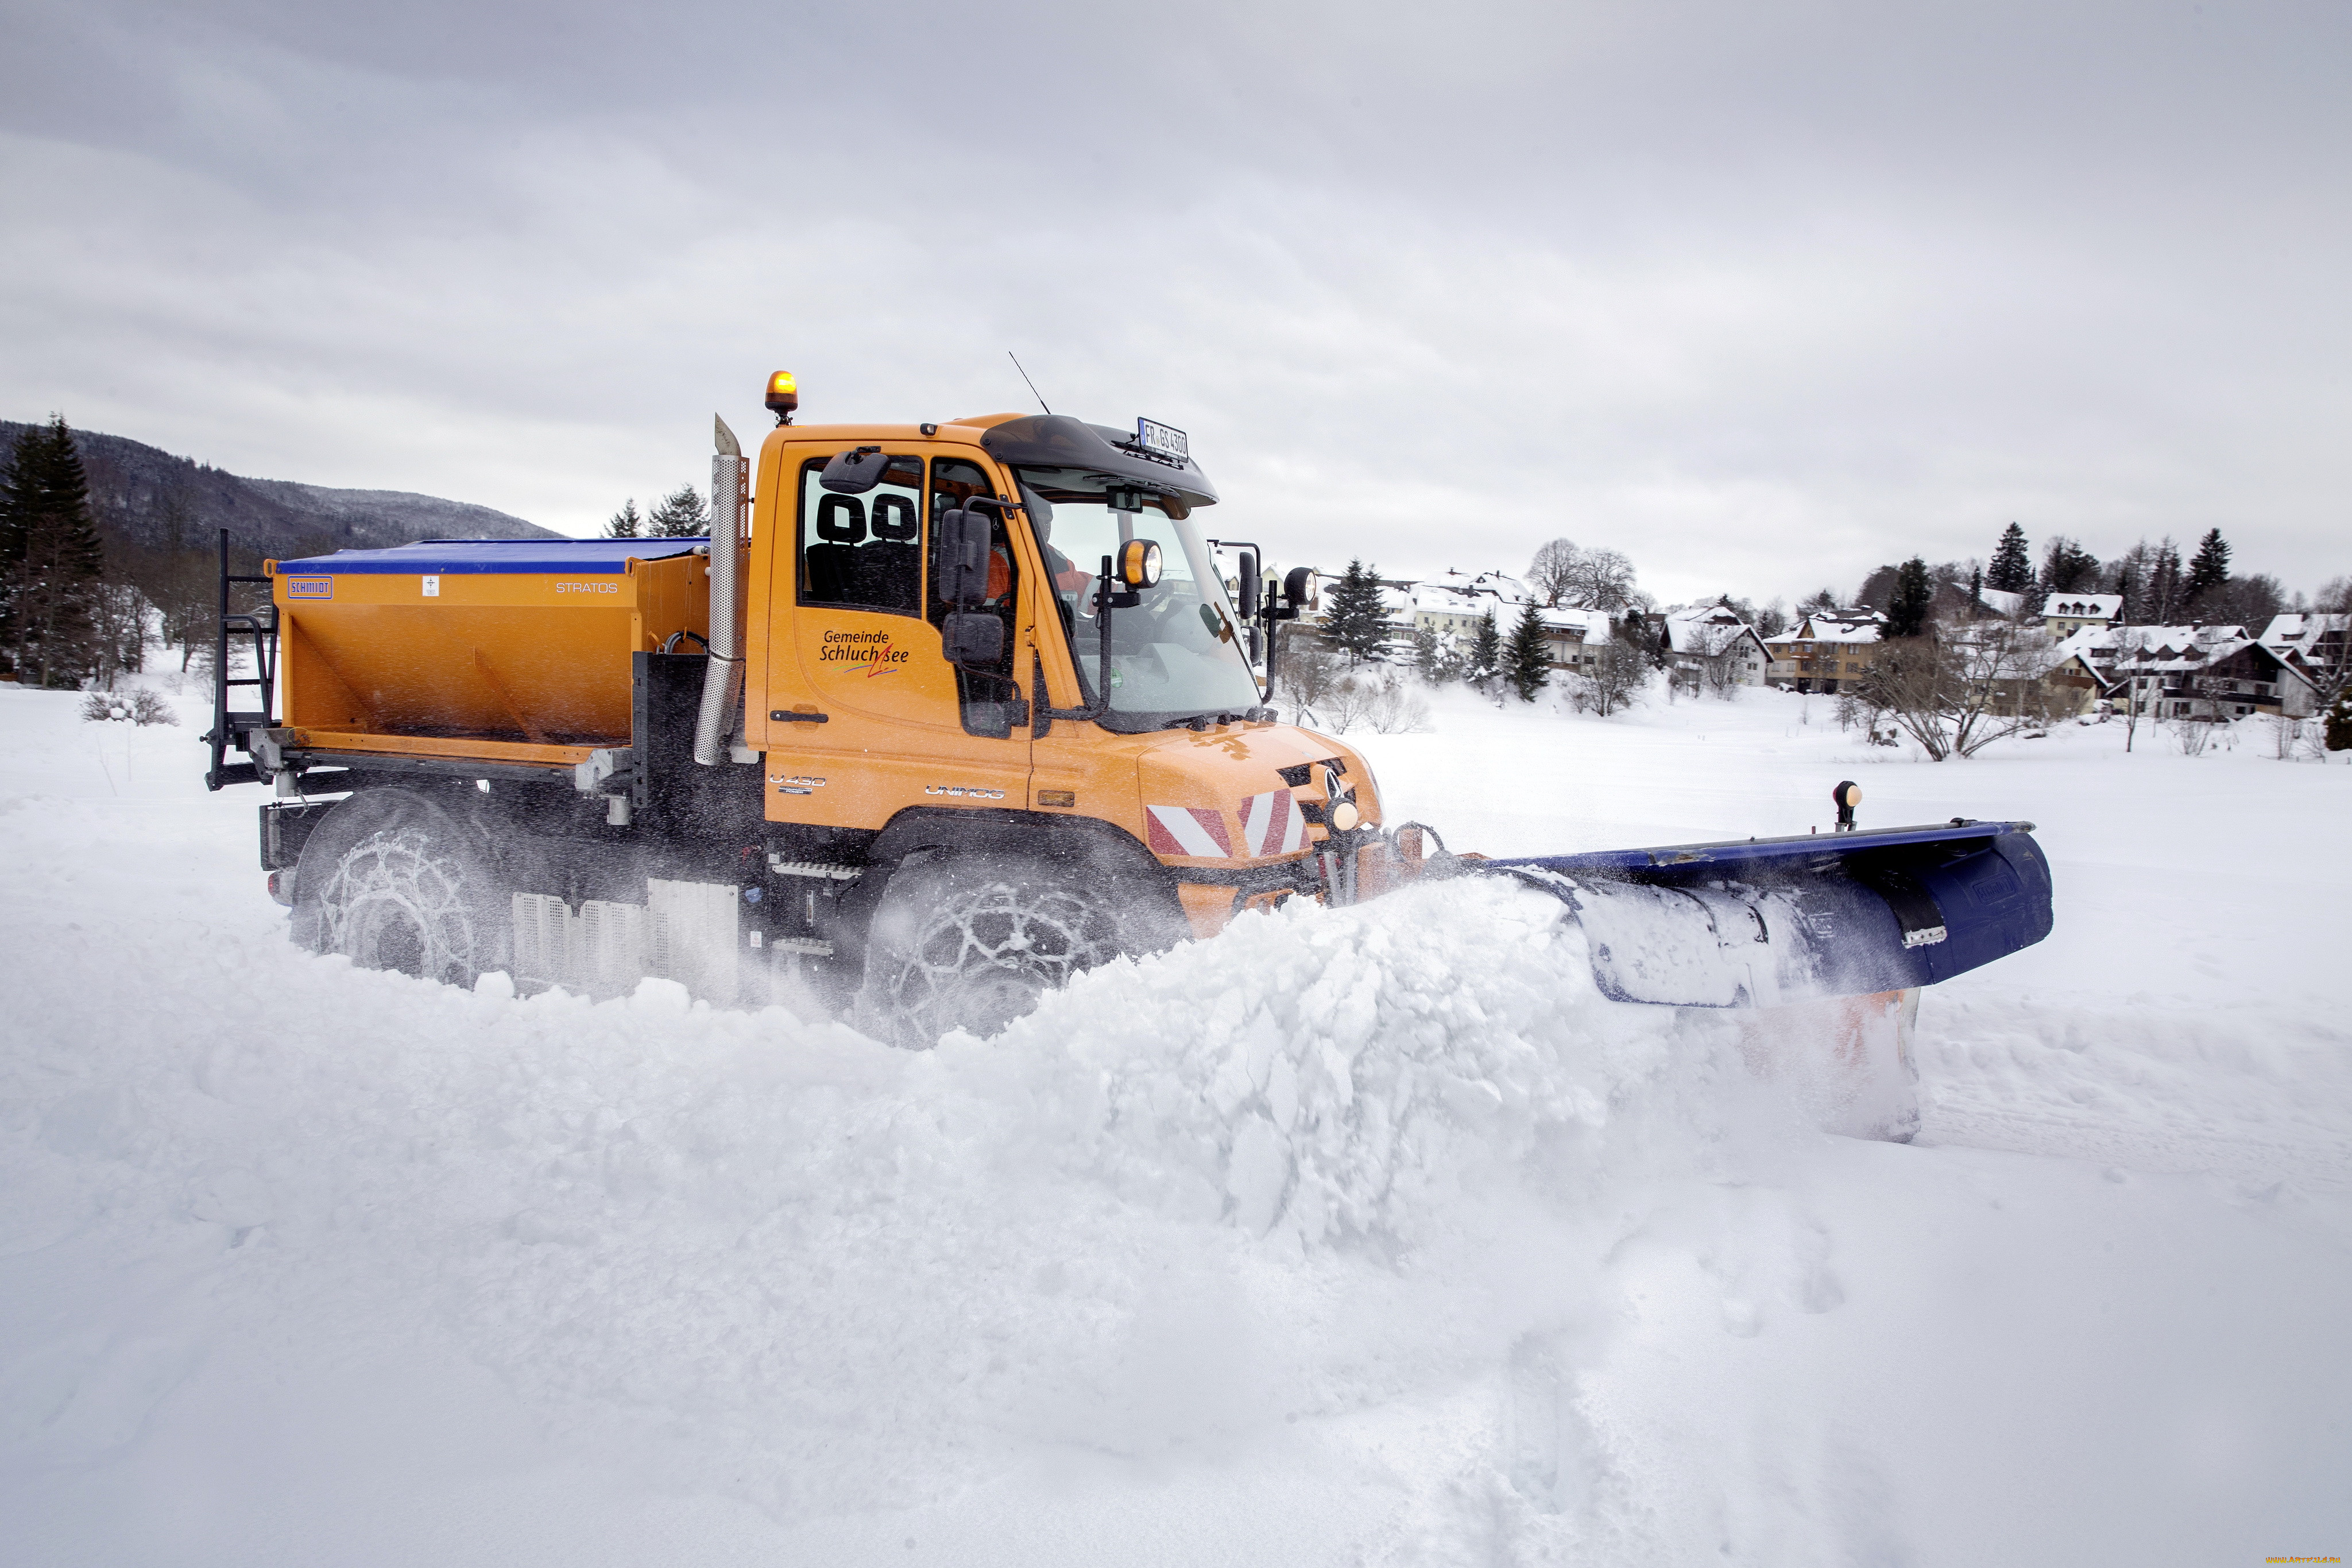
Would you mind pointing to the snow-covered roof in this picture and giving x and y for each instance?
(1823, 628)
(1441, 598)
(2079, 606)
(1703, 629)
(2001, 600)
(1592, 624)
(2116, 651)
(2295, 638)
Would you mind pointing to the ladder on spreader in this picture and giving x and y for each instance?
(234, 727)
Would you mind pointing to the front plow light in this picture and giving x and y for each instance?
(1138, 563)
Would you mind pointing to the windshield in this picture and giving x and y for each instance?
(1174, 654)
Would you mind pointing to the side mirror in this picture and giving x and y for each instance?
(855, 473)
(1138, 563)
(970, 639)
(1250, 605)
(1298, 588)
(963, 556)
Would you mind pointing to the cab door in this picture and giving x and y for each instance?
(875, 719)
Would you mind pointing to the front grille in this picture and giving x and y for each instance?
(1304, 774)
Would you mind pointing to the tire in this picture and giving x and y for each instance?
(975, 943)
(395, 881)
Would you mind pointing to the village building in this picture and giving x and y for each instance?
(2315, 644)
(1697, 638)
(2063, 614)
(2191, 672)
(1826, 649)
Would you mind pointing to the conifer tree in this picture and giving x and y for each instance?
(1357, 621)
(1526, 663)
(2127, 589)
(1915, 590)
(1429, 655)
(625, 524)
(2163, 594)
(2208, 570)
(50, 556)
(1486, 650)
(1635, 631)
(679, 515)
(2012, 571)
(2068, 567)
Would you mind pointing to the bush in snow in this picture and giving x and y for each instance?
(1379, 703)
(141, 707)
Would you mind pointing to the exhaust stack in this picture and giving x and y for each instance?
(720, 723)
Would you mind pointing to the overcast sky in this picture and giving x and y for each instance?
(1762, 296)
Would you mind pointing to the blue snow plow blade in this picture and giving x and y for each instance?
(1763, 922)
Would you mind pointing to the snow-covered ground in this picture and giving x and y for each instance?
(1359, 1237)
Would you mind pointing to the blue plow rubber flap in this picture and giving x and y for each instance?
(447, 558)
(1875, 911)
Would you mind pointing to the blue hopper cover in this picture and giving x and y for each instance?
(593, 558)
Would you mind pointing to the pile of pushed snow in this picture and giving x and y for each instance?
(1355, 1073)
(766, 1256)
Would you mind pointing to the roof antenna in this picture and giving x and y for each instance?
(1024, 376)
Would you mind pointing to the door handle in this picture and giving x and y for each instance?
(781, 717)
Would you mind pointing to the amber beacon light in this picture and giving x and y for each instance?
(783, 396)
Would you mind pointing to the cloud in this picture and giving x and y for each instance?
(1763, 297)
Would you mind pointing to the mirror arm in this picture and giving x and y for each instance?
(1260, 613)
(1101, 705)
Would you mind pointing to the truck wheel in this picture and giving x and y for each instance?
(401, 883)
(975, 943)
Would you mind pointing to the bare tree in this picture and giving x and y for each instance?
(118, 623)
(1613, 680)
(1957, 691)
(1600, 579)
(1552, 573)
(1379, 702)
(1307, 676)
(1719, 673)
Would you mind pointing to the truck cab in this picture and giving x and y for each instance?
(861, 717)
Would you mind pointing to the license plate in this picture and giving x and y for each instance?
(1166, 440)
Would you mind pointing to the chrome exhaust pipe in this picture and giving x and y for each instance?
(720, 721)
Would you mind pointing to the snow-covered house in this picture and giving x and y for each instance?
(2076, 685)
(1452, 602)
(2001, 601)
(2192, 672)
(1448, 609)
(1572, 638)
(1825, 648)
(2315, 644)
(2063, 614)
(1695, 637)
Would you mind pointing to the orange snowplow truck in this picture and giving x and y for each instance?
(939, 713)
(944, 715)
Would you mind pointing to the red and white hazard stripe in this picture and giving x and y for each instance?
(1194, 830)
(1271, 824)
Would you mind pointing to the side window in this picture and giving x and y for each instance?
(864, 553)
(989, 698)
